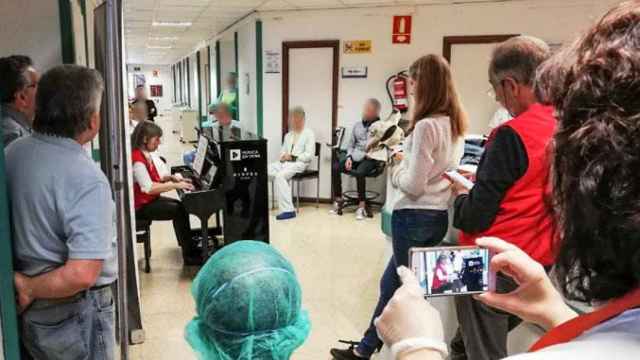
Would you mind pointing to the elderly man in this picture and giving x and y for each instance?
(297, 152)
(356, 162)
(150, 105)
(18, 86)
(508, 199)
(222, 126)
(63, 223)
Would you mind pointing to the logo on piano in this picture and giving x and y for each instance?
(235, 154)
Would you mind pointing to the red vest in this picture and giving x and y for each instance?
(140, 198)
(437, 283)
(523, 218)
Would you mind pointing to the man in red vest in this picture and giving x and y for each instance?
(508, 200)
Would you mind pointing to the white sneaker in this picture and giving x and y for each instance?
(361, 214)
(335, 209)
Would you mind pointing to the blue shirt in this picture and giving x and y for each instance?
(61, 206)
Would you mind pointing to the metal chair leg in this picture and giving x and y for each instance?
(273, 195)
(147, 252)
(298, 196)
(318, 192)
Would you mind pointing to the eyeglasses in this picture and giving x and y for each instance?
(33, 85)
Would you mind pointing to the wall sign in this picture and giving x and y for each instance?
(357, 46)
(401, 29)
(354, 71)
(272, 61)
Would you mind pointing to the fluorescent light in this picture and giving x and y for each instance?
(159, 47)
(164, 38)
(172, 23)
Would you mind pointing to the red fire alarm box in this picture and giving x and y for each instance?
(402, 29)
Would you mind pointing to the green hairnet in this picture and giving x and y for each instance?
(248, 304)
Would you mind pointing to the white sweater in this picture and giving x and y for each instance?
(305, 147)
(428, 152)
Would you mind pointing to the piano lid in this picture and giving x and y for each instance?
(232, 133)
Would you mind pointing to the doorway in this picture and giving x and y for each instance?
(310, 79)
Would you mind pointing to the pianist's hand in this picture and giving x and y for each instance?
(183, 185)
(285, 157)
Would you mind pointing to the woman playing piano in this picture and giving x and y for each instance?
(148, 186)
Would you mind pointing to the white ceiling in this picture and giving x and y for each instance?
(147, 44)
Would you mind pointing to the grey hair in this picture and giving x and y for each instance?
(68, 95)
(374, 102)
(518, 57)
(220, 106)
(299, 111)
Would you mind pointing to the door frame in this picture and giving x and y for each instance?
(310, 44)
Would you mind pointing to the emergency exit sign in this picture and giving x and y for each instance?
(401, 29)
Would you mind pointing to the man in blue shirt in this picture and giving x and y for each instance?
(355, 162)
(62, 216)
(18, 86)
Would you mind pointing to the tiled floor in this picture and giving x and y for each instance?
(338, 262)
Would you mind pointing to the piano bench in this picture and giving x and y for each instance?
(143, 235)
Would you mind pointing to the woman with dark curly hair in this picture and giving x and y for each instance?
(595, 88)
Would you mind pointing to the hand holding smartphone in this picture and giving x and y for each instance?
(453, 270)
(458, 178)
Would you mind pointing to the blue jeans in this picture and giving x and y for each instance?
(410, 228)
(79, 330)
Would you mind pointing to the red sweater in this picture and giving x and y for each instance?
(140, 198)
(524, 218)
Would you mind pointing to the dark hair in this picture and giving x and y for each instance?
(68, 95)
(596, 167)
(518, 58)
(13, 77)
(144, 131)
(436, 94)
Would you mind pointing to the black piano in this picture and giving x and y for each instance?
(229, 174)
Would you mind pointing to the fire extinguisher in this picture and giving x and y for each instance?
(398, 93)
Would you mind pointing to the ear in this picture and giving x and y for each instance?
(94, 123)
(511, 85)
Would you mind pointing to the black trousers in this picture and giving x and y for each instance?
(163, 209)
(359, 170)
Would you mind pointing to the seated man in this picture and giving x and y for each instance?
(298, 150)
(223, 123)
(356, 162)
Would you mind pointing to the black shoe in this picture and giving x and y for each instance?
(193, 260)
(346, 354)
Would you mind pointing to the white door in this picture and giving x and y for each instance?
(311, 86)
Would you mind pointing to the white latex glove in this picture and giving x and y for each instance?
(535, 299)
(408, 315)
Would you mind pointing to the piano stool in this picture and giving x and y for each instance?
(143, 235)
(350, 198)
(297, 178)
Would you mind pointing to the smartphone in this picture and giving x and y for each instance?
(455, 176)
(452, 270)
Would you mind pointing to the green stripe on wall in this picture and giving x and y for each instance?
(218, 71)
(7, 295)
(235, 41)
(199, 84)
(259, 100)
(66, 32)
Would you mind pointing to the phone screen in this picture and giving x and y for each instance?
(455, 270)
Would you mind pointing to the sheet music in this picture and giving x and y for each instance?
(201, 154)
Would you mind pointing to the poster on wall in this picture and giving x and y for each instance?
(401, 29)
(139, 80)
(272, 61)
(156, 90)
(357, 47)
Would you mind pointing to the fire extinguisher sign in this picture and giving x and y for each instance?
(401, 29)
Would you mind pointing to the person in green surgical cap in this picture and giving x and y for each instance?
(248, 304)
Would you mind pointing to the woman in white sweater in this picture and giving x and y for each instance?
(432, 147)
